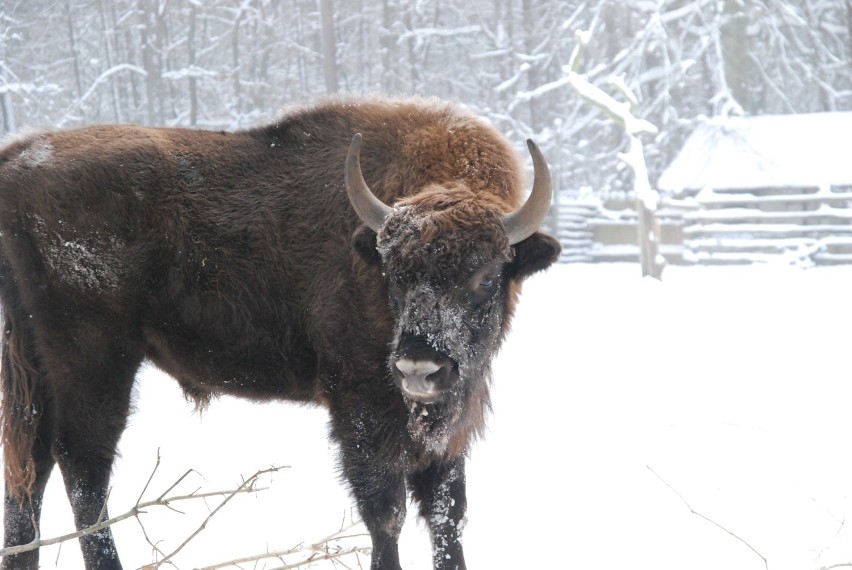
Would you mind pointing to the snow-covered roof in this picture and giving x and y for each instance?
(763, 152)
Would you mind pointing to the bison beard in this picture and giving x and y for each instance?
(261, 264)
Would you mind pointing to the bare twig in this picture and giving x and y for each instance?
(140, 508)
(176, 483)
(314, 557)
(246, 487)
(148, 539)
(38, 543)
(150, 478)
(320, 557)
(711, 521)
(320, 550)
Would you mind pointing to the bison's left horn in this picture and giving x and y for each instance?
(370, 209)
(523, 222)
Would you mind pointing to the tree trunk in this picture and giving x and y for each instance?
(646, 207)
(235, 64)
(8, 113)
(530, 25)
(193, 80)
(412, 63)
(150, 59)
(6, 107)
(735, 51)
(387, 46)
(109, 60)
(78, 81)
(329, 46)
(300, 55)
(849, 16)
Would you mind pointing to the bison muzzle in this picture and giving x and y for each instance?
(281, 262)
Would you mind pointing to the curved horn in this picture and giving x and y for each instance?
(523, 222)
(370, 209)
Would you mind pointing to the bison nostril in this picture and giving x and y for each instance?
(441, 374)
(422, 380)
(414, 368)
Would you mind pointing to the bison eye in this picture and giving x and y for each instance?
(483, 285)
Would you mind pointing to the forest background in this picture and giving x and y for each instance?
(238, 63)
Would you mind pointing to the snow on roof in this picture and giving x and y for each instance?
(764, 151)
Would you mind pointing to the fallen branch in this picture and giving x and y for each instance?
(246, 487)
(711, 521)
(164, 500)
(320, 550)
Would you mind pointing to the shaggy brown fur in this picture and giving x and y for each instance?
(234, 262)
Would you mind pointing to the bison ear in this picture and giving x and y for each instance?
(533, 254)
(364, 242)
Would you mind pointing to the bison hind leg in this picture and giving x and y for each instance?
(26, 435)
(65, 402)
(93, 395)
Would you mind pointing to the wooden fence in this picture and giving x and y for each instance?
(810, 226)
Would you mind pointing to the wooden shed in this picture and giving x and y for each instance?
(767, 187)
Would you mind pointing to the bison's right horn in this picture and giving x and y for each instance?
(523, 222)
(370, 209)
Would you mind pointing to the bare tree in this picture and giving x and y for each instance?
(735, 50)
(329, 46)
(233, 63)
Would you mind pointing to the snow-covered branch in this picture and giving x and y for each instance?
(621, 112)
(29, 89)
(421, 33)
(192, 71)
(97, 83)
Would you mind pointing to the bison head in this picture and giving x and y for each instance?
(452, 260)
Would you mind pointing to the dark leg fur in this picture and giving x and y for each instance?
(95, 395)
(381, 502)
(377, 482)
(440, 491)
(81, 389)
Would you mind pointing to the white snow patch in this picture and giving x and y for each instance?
(732, 383)
(37, 153)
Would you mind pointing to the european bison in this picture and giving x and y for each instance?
(261, 263)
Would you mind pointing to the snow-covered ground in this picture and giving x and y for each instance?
(616, 399)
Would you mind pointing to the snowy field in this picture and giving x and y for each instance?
(728, 386)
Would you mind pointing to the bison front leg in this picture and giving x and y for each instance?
(377, 484)
(440, 491)
(381, 502)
